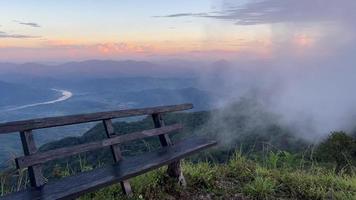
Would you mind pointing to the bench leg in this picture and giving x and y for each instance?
(126, 187)
(116, 152)
(174, 170)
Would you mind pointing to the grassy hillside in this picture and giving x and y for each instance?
(257, 158)
(278, 177)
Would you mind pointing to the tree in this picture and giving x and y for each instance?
(338, 148)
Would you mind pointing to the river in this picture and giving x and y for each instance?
(65, 96)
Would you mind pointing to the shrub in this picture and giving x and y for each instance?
(338, 148)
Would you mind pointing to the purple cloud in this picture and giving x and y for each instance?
(183, 15)
(32, 24)
(18, 36)
(280, 11)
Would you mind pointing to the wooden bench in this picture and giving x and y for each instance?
(124, 168)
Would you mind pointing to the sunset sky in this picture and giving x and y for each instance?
(42, 30)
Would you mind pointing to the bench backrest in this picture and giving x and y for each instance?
(34, 159)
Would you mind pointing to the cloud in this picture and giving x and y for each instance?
(309, 78)
(16, 36)
(32, 24)
(282, 11)
(182, 15)
(119, 48)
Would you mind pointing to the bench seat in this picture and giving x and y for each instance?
(74, 186)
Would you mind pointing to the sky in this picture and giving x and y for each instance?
(42, 30)
(74, 30)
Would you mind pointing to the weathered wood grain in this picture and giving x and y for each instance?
(83, 118)
(42, 157)
(110, 133)
(158, 123)
(173, 169)
(116, 152)
(29, 148)
(74, 186)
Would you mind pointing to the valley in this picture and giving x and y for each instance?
(86, 95)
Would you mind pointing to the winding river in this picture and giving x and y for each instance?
(65, 96)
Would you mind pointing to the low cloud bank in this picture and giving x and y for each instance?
(308, 80)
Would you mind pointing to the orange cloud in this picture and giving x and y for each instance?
(303, 40)
(77, 49)
(62, 43)
(117, 48)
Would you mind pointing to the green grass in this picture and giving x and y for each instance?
(240, 178)
(274, 176)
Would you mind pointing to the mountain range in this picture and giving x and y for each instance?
(98, 69)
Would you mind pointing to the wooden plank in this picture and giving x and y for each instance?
(116, 152)
(174, 169)
(29, 148)
(83, 118)
(110, 133)
(42, 157)
(158, 123)
(74, 186)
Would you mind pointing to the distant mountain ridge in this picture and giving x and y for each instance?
(98, 69)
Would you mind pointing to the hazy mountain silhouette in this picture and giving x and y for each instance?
(95, 68)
